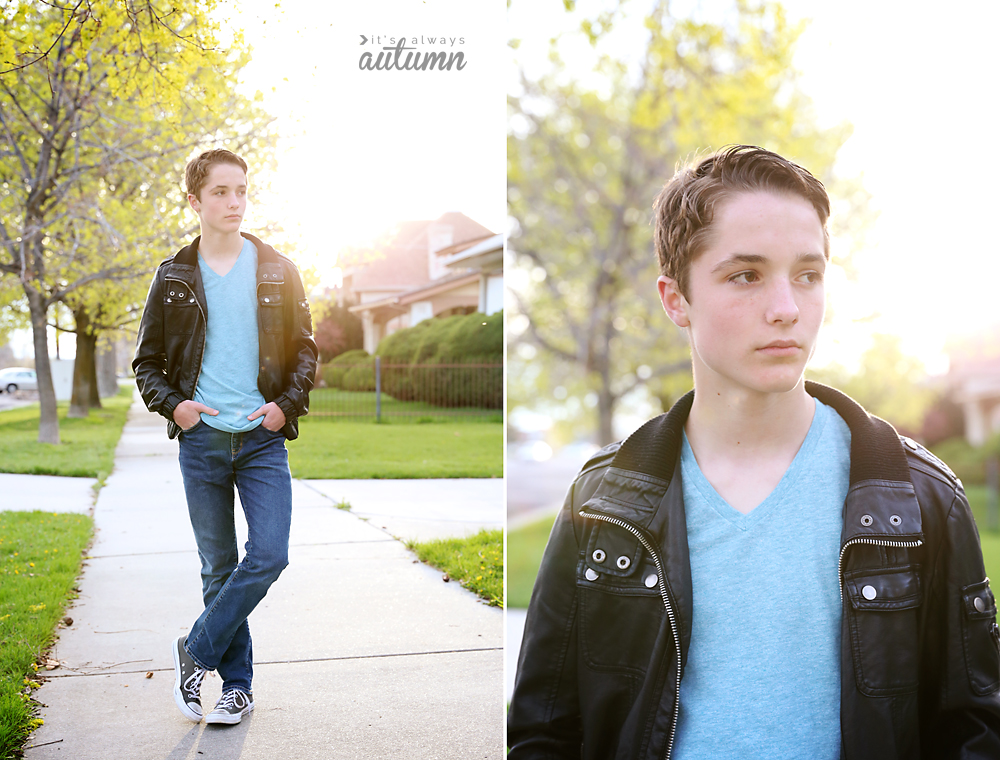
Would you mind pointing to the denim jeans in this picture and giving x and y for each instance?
(256, 462)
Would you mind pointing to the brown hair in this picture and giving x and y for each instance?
(686, 205)
(198, 168)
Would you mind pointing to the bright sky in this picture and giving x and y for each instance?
(917, 82)
(365, 149)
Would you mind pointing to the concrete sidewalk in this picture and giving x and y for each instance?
(361, 652)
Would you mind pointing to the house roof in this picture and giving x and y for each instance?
(400, 260)
(442, 285)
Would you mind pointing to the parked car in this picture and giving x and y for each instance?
(18, 379)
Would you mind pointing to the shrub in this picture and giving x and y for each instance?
(333, 372)
(461, 339)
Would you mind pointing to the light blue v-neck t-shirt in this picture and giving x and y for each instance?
(229, 367)
(762, 679)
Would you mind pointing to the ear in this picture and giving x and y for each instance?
(194, 203)
(674, 302)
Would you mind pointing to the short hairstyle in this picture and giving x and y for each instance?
(198, 168)
(685, 207)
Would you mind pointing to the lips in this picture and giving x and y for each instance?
(781, 348)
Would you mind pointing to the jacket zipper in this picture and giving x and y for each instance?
(869, 542)
(204, 318)
(662, 584)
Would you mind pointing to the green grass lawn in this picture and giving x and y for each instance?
(524, 555)
(476, 561)
(340, 448)
(40, 557)
(87, 445)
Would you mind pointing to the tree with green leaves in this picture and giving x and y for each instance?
(587, 155)
(101, 103)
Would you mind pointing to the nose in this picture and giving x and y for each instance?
(782, 307)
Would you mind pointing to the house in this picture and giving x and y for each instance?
(974, 383)
(424, 269)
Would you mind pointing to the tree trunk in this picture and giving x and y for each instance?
(606, 412)
(48, 423)
(107, 375)
(84, 370)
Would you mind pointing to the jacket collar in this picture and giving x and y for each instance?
(876, 453)
(881, 500)
(185, 262)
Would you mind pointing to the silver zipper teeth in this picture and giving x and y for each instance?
(869, 542)
(662, 583)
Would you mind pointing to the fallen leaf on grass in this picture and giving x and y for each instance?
(50, 664)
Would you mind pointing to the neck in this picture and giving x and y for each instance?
(744, 423)
(220, 245)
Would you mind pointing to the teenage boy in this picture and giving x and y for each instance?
(225, 352)
(766, 571)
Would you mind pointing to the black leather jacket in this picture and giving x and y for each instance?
(171, 341)
(606, 641)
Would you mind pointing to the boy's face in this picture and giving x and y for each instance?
(757, 295)
(222, 200)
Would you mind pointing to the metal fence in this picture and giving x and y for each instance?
(379, 390)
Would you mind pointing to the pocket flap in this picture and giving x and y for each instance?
(895, 589)
(979, 602)
(614, 551)
(270, 299)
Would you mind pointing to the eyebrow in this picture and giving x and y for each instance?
(226, 187)
(756, 258)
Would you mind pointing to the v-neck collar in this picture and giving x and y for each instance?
(694, 477)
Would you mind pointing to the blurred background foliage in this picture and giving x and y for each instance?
(587, 154)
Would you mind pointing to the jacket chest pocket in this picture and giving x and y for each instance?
(271, 309)
(620, 604)
(180, 309)
(883, 625)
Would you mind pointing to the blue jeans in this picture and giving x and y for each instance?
(256, 462)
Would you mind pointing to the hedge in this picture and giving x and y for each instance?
(461, 339)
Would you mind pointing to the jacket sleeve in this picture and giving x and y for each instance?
(300, 351)
(544, 716)
(150, 363)
(965, 717)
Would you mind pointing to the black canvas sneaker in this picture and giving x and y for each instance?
(187, 684)
(231, 707)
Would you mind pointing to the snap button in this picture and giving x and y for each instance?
(172, 293)
(650, 580)
(267, 300)
(599, 555)
(911, 443)
(980, 605)
(623, 563)
(179, 295)
(192, 300)
(869, 592)
(896, 519)
(866, 520)
(170, 300)
(591, 575)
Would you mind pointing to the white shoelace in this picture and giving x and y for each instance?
(193, 683)
(234, 698)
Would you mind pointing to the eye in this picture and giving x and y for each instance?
(744, 278)
(811, 277)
